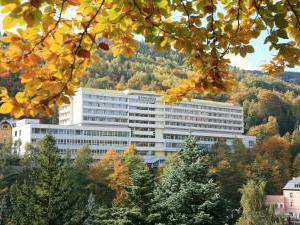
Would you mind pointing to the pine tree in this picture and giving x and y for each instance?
(186, 195)
(118, 216)
(81, 169)
(140, 193)
(89, 210)
(23, 205)
(49, 197)
(255, 212)
(9, 173)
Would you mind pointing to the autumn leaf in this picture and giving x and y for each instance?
(35, 3)
(103, 46)
(6, 108)
(32, 17)
(20, 97)
(9, 22)
(83, 53)
(9, 7)
(74, 2)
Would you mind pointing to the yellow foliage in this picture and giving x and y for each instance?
(6, 107)
(130, 150)
(48, 49)
(110, 169)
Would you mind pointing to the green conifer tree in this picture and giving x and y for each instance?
(118, 216)
(81, 169)
(186, 195)
(48, 196)
(9, 173)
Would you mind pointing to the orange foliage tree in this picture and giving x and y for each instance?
(265, 130)
(113, 171)
(50, 43)
(273, 156)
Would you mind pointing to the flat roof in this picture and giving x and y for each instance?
(132, 91)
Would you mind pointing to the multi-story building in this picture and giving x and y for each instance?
(288, 203)
(104, 119)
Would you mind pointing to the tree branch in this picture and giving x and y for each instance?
(85, 31)
(294, 11)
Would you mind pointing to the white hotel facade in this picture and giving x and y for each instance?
(106, 119)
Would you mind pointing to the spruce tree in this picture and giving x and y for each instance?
(81, 170)
(140, 190)
(89, 210)
(140, 193)
(118, 216)
(23, 204)
(9, 173)
(186, 195)
(49, 197)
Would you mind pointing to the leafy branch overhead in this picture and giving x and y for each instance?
(50, 43)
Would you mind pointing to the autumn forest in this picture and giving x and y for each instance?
(181, 49)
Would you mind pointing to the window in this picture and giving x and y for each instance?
(291, 194)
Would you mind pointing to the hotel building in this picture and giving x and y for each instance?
(106, 119)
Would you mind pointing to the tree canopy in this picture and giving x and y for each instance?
(50, 43)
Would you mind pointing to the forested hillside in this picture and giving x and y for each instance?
(149, 69)
(260, 96)
(271, 113)
(291, 77)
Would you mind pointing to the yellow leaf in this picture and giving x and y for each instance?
(5, 39)
(9, 22)
(6, 107)
(19, 112)
(20, 97)
(3, 92)
(65, 99)
(98, 28)
(8, 8)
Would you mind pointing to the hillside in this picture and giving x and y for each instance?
(291, 77)
(147, 70)
(152, 70)
(260, 96)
